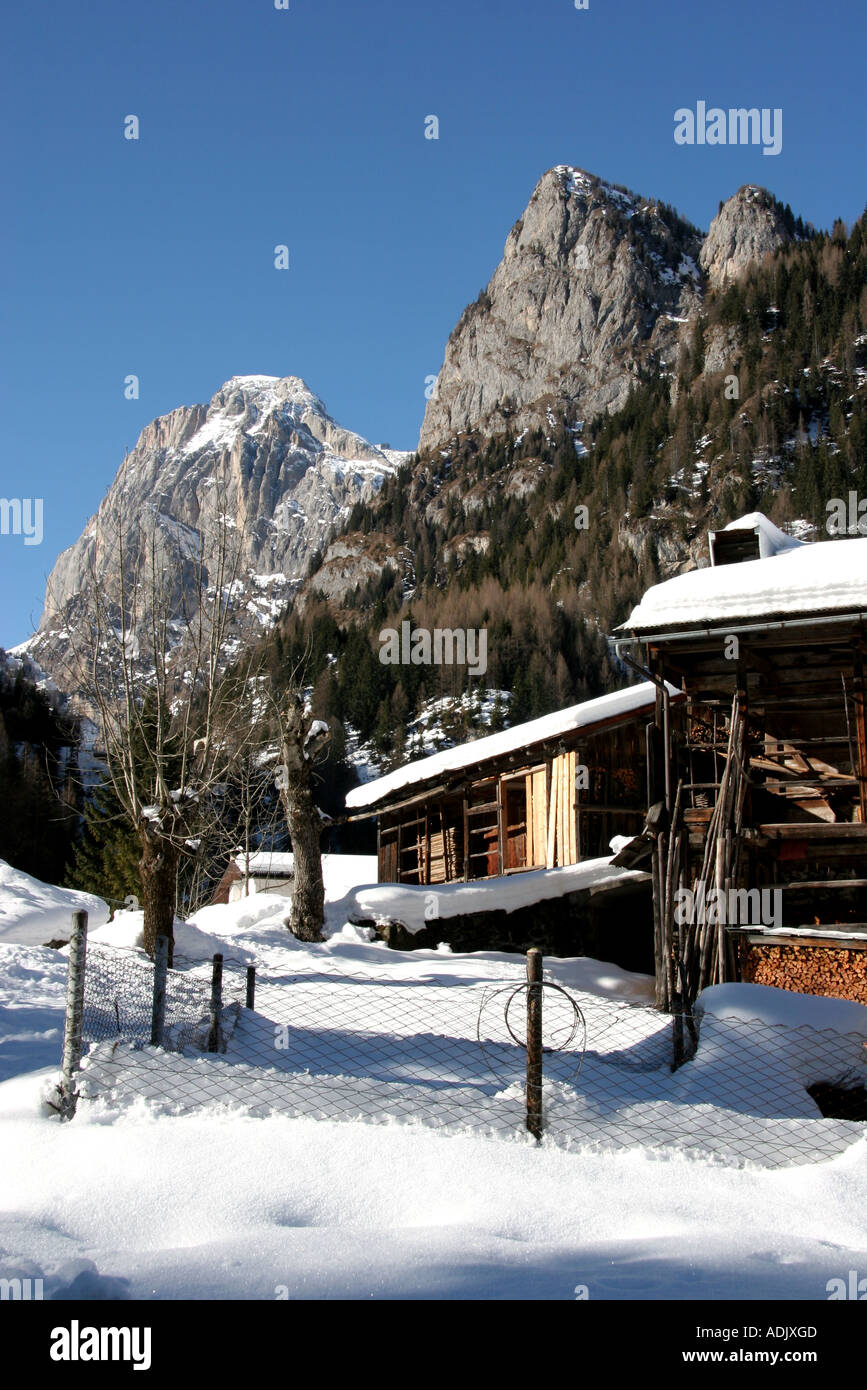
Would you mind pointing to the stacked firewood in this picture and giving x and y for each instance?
(828, 970)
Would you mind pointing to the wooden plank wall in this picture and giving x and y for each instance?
(561, 841)
(559, 820)
(540, 815)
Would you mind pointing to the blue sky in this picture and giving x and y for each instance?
(306, 127)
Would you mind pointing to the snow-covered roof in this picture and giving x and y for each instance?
(772, 541)
(265, 863)
(790, 579)
(620, 704)
(408, 903)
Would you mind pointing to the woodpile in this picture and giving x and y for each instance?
(827, 970)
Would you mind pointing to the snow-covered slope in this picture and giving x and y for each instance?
(33, 913)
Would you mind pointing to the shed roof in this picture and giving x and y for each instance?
(619, 705)
(790, 580)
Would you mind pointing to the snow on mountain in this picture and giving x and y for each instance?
(749, 225)
(595, 283)
(263, 459)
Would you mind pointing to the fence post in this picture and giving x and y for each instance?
(534, 1042)
(74, 1023)
(216, 1004)
(250, 1001)
(158, 1012)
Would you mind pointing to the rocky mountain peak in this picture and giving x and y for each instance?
(749, 225)
(262, 455)
(592, 285)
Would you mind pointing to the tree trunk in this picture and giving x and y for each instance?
(303, 740)
(308, 889)
(158, 867)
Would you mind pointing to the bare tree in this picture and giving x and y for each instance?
(151, 647)
(252, 812)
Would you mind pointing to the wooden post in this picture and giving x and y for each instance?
(216, 1004)
(74, 1024)
(250, 1001)
(720, 884)
(666, 736)
(158, 1010)
(861, 735)
(667, 891)
(534, 1042)
(678, 973)
(551, 857)
(501, 824)
(659, 963)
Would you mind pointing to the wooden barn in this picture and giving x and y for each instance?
(544, 794)
(759, 852)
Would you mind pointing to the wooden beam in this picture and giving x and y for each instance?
(501, 828)
(861, 735)
(550, 857)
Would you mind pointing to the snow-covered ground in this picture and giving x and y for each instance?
(379, 1153)
(35, 913)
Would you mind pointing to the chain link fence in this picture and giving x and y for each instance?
(118, 1002)
(385, 1043)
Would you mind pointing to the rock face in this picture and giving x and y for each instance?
(593, 283)
(749, 226)
(266, 455)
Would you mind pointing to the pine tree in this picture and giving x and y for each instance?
(106, 857)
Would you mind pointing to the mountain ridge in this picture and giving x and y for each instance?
(593, 286)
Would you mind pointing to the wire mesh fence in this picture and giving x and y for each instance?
(118, 1002)
(388, 1043)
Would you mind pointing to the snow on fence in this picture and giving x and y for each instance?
(401, 1043)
